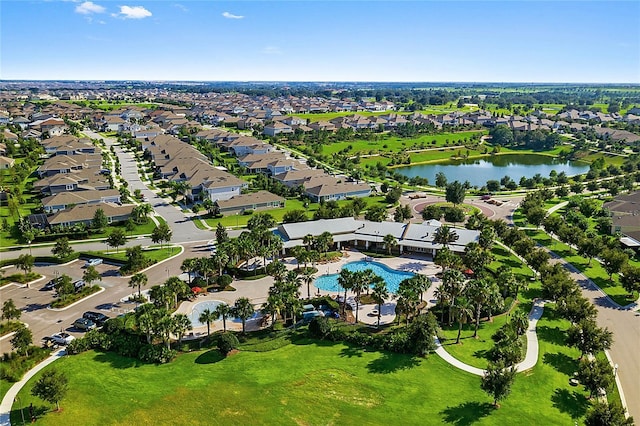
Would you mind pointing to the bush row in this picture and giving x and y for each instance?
(43, 259)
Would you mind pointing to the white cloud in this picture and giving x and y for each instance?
(231, 15)
(181, 7)
(88, 8)
(132, 12)
(272, 50)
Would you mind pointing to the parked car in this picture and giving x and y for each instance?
(79, 285)
(51, 284)
(62, 338)
(96, 317)
(48, 343)
(84, 324)
(92, 262)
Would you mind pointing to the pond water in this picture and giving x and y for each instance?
(479, 171)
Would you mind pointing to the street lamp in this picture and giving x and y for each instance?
(615, 370)
(167, 269)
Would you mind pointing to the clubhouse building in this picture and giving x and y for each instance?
(367, 235)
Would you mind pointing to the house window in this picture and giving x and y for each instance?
(69, 187)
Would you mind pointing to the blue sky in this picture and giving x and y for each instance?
(513, 41)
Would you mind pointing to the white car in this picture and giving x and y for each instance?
(62, 338)
(93, 262)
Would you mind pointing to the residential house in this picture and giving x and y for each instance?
(63, 200)
(625, 217)
(255, 201)
(85, 213)
(277, 128)
(6, 162)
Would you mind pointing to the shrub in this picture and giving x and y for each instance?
(224, 280)
(13, 365)
(158, 354)
(320, 327)
(227, 342)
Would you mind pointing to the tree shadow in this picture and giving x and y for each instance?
(572, 403)
(482, 354)
(390, 363)
(18, 413)
(210, 357)
(467, 413)
(561, 362)
(117, 361)
(351, 352)
(552, 335)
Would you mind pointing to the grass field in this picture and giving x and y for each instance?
(396, 144)
(155, 254)
(307, 382)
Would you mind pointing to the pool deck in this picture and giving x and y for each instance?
(257, 290)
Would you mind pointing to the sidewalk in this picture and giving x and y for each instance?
(7, 401)
(530, 359)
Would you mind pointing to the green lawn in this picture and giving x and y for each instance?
(306, 382)
(396, 144)
(155, 254)
(474, 351)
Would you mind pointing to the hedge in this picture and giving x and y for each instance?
(43, 259)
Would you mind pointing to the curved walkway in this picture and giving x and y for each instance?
(530, 359)
(7, 401)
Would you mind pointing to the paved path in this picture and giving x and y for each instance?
(7, 401)
(530, 359)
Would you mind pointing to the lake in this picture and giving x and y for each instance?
(479, 171)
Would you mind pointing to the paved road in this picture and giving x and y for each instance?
(625, 325)
(183, 228)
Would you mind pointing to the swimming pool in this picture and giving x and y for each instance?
(390, 276)
(200, 307)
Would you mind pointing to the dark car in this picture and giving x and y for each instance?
(84, 324)
(96, 317)
(51, 284)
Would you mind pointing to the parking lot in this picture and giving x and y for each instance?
(34, 300)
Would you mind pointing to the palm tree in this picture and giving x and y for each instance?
(421, 283)
(445, 236)
(307, 278)
(389, 242)
(463, 312)
(446, 259)
(444, 298)
(478, 292)
(207, 317)
(308, 241)
(223, 310)
(138, 280)
(243, 309)
(379, 294)
(407, 298)
(360, 283)
(324, 242)
(453, 283)
(176, 287)
(180, 324)
(189, 265)
(345, 280)
(278, 270)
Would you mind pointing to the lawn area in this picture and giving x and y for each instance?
(31, 202)
(396, 144)
(155, 254)
(595, 271)
(474, 351)
(241, 220)
(331, 383)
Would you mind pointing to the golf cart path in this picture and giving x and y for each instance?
(530, 359)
